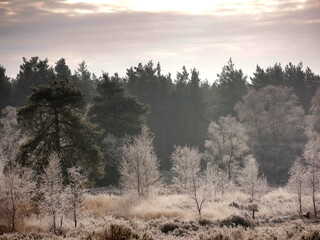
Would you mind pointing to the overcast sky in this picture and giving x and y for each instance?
(113, 35)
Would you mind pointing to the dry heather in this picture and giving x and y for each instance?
(174, 216)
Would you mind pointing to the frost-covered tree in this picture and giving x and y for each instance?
(298, 181)
(11, 136)
(312, 148)
(226, 144)
(75, 191)
(185, 160)
(263, 186)
(52, 189)
(18, 188)
(17, 183)
(187, 173)
(199, 190)
(217, 180)
(312, 158)
(249, 176)
(139, 168)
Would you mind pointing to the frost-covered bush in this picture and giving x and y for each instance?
(51, 190)
(186, 170)
(139, 168)
(74, 191)
(18, 189)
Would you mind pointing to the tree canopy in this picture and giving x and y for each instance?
(114, 110)
(275, 125)
(54, 121)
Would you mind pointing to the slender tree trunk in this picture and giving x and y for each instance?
(252, 193)
(300, 200)
(75, 215)
(314, 193)
(61, 221)
(13, 220)
(13, 213)
(229, 169)
(54, 222)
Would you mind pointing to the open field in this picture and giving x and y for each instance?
(175, 216)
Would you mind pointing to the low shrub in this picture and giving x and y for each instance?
(314, 235)
(205, 222)
(4, 229)
(218, 236)
(115, 232)
(169, 227)
(235, 221)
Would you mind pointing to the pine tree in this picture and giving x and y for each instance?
(229, 88)
(5, 89)
(84, 81)
(33, 73)
(54, 120)
(115, 111)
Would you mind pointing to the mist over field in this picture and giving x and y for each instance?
(139, 120)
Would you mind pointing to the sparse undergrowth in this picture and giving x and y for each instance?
(175, 217)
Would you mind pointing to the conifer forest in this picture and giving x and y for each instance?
(150, 155)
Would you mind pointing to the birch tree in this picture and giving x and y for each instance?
(298, 181)
(249, 176)
(17, 183)
(139, 168)
(184, 160)
(312, 158)
(217, 179)
(18, 188)
(186, 169)
(75, 191)
(11, 136)
(52, 189)
(226, 144)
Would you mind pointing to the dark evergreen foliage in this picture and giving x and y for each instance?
(54, 121)
(304, 82)
(5, 89)
(179, 110)
(85, 81)
(115, 112)
(33, 73)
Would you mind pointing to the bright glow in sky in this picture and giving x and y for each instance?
(190, 7)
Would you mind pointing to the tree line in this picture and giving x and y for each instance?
(88, 119)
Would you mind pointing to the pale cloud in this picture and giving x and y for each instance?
(124, 34)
